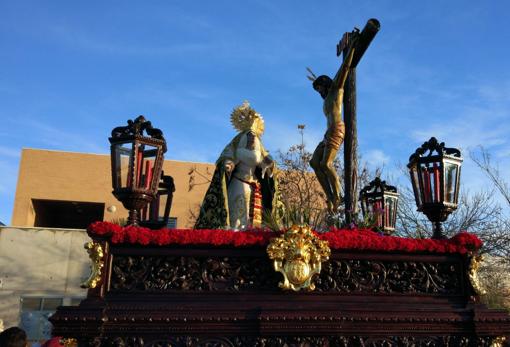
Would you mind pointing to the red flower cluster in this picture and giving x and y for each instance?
(362, 239)
(145, 236)
(366, 239)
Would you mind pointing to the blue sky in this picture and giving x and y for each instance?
(71, 71)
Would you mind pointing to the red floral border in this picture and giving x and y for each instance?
(362, 239)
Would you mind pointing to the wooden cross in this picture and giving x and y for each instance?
(361, 40)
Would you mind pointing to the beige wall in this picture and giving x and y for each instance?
(41, 263)
(57, 175)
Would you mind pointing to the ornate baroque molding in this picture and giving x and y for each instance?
(235, 274)
(474, 265)
(96, 254)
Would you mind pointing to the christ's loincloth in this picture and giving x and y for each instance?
(334, 136)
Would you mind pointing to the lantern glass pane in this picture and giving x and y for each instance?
(388, 212)
(123, 163)
(156, 212)
(426, 182)
(371, 206)
(393, 215)
(364, 206)
(416, 185)
(378, 211)
(435, 182)
(431, 182)
(144, 165)
(457, 183)
(154, 209)
(450, 182)
(159, 214)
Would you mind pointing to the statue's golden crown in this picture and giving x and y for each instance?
(245, 118)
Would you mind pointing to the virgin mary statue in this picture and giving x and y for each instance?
(242, 186)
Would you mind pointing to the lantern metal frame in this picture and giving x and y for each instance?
(133, 194)
(435, 175)
(378, 191)
(150, 214)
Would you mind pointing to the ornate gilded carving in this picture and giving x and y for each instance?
(498, 341)
(233, 274)
(192, 274)
(68, 342)
(96, 255)
(474, 265)
(298, 255)
(373, 276)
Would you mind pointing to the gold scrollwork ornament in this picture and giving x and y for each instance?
(474, 265)
(96, 254)
(298, 255)
(68, 342)
(498, 341)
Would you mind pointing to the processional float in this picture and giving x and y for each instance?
(259, 287)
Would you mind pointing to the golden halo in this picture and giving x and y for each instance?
(245, 118)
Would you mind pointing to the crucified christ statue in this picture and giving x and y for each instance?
(332, 91)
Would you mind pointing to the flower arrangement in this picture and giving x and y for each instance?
(360, 239)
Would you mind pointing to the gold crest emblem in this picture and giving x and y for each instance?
(298, 255)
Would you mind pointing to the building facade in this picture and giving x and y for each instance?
(42, 259)
(59, 189)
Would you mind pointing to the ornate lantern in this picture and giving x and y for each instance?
(379, 201)
(435, 175)
(137, 160)
(156, 214)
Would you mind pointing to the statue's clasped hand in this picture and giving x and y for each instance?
(267, 165)
(229, 167)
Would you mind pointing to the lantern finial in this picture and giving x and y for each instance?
(434, 148)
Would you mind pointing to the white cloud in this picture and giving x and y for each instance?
(60, 138)
(495, 93)
(503, 153)
(203, 155)
(9, 152)
(281, 136)
(474, 128)
(376, 158)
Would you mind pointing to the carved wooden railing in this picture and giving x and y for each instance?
(229, 296)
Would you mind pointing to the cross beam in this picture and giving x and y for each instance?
(361, 41)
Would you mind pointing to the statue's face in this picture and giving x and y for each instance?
(258, 126)
(322, 90)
